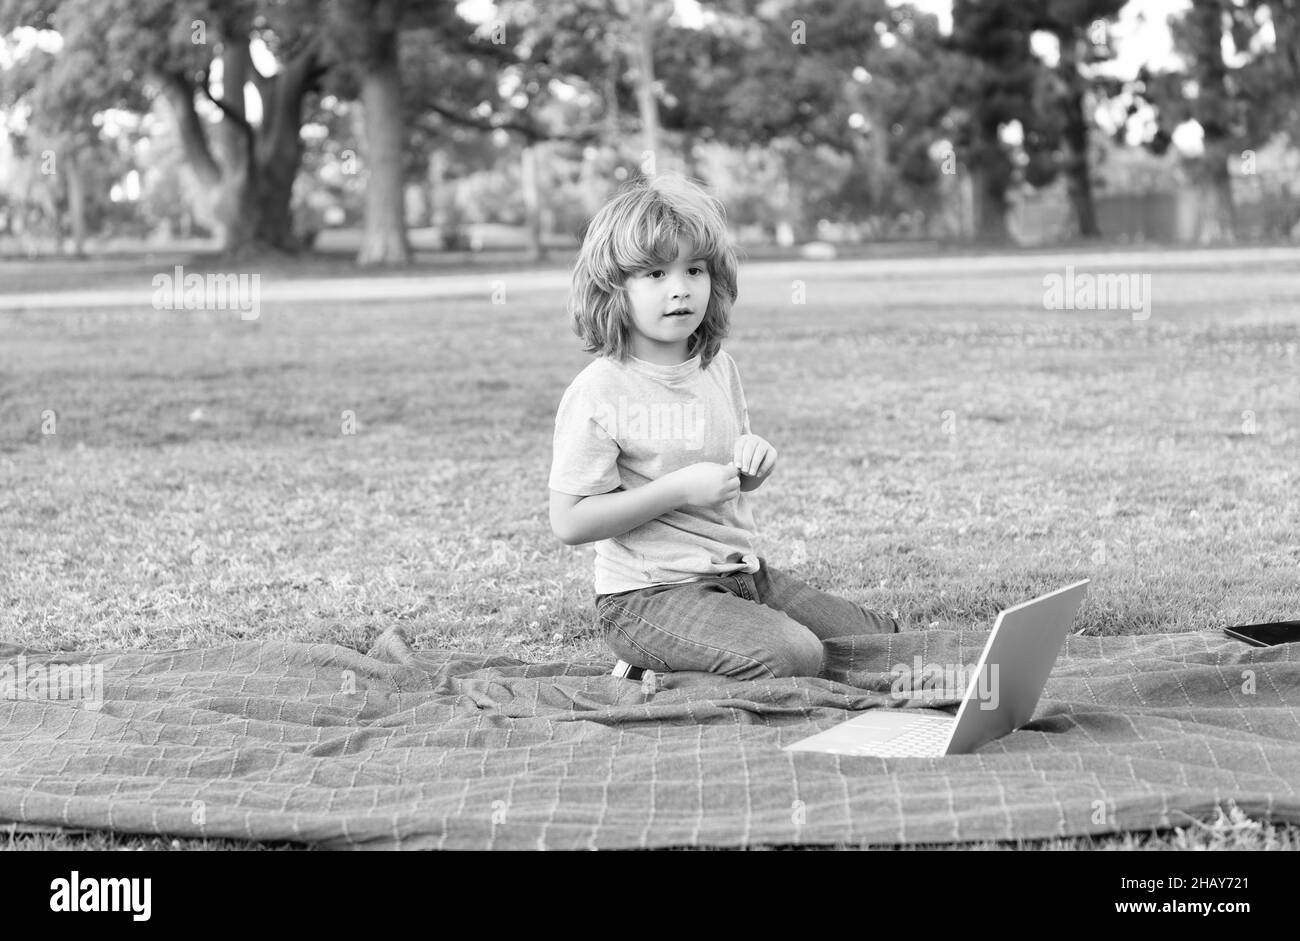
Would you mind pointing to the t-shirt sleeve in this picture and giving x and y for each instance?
(585, 455)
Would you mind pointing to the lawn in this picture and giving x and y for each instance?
(947, 447)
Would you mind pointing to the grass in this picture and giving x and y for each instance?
(136, 271)
(947, 447)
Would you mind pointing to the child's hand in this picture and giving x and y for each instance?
(708, 484)
(754, 457)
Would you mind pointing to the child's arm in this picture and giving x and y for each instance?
(577, 520)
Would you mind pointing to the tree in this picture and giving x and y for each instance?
(126, 49)
(61, 96)
(640, 22)
(815, 84)
(197, 55)
(740, 79)
(1278, 68)
(1080, 29)
(909, 90)
(1238, 103)
(1003, 85)
(1201, 92)
(570, 70)
(366, 43)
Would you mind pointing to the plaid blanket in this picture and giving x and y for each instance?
(443, 749)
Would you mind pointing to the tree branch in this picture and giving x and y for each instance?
(282, 109)
(529, 131)
(194, 141)
(236, 117)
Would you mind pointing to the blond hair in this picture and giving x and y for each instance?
(637, 229)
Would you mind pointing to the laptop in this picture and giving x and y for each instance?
(1002, 690)
(1266, 635)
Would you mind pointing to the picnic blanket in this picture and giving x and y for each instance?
(442, 749)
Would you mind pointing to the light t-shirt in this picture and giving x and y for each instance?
(626, 424)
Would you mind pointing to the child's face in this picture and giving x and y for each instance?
(658, 335)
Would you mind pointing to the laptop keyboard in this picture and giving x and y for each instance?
(924, 739)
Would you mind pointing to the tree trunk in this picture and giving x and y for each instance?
(532, 200)
(383, 240)
(277, 223)
(873, 156)
(1078, 172)
(991, 172)
(689, 159)
(791, 219)
(76, 203)
(254, 204)
(990, 191)
(1212, 185)
(234, 134)
(643, 56)
(249, 175)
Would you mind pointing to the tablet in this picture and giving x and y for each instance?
(1266, 635)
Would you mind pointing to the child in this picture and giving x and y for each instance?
(654, 459)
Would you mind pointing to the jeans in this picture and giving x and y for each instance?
(768, 624)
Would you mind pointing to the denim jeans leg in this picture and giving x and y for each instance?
(824, 614)
(710, 625)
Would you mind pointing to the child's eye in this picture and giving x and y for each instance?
(656, 271)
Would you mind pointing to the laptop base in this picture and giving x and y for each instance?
(884, 733)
